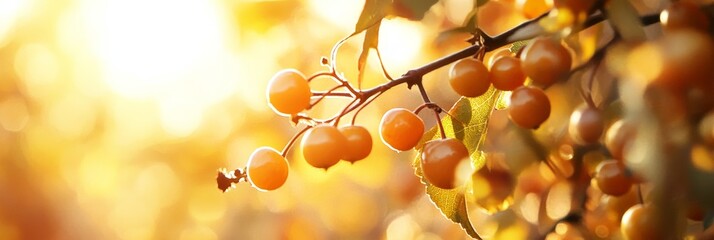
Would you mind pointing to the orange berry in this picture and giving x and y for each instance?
(529, 108)
(612, 179)
(586, 125)
(267, 169)
(618, 138)
(289, 92)
(359, 143)
(469, 77)
(545, 61)
(639, 222)
(439, 160)
(401, 129)
(506, 73)
(323, 145)
(533, 8)
(684, 14)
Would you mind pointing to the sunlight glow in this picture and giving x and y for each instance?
(10, 12)
(343, 13)
(400, 42)
(149, 47)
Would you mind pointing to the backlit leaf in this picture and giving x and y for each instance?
(371, 40)
(517, 46)
(411, 9)
(467, 122)
(372, 13)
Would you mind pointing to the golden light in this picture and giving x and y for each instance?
(13, 114)
(400, 42)
(342, 14)
(648, 53)
(31, 57)
(148, 46)
(559, 194)
(10, 12)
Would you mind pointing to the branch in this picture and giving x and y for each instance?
(523, 31)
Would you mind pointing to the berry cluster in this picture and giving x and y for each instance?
(675, 91)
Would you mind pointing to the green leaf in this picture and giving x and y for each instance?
(626, 20)
(467, 122)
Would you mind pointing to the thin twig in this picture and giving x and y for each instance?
(287, 147)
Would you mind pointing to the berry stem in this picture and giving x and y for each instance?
(324, 95)
(292, 141)
(363, 106)
(639, 194)
(432, 106)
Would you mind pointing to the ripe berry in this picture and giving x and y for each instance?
(267, 169)
(439, 160)
(288, 92)
(323, 145)
(533, 8)
(545, 61)
(586, 125)
(506, 73)
(401, 129)
(612, 179)
(618, 137)
(496, 54)
(529, 108)
(359, 143)
(687, 58)
(639, 223)
(684, 14)
(469, 77)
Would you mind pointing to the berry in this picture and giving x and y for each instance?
(529, 108)
(322, 146)
(684, 14)
(545, 61)
(533, 8)
(612, 179)
(359, 143)
(639, 223)
(687, 58)
(289, 92)
(439, 160)
(618, 138)
(401, 129)
(496, 54)
(469, 77)
(506, 73)
(267, 169)
(586, 125)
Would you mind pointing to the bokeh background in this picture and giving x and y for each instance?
(116, 114)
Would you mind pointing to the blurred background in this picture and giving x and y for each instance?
(116, 114)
